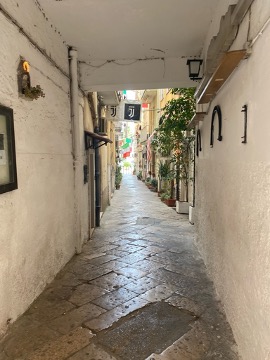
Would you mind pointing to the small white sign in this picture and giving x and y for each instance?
(113, 113)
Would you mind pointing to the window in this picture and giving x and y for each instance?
(8, 171)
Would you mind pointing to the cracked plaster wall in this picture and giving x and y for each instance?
(37, 229)
(233, 192)
(30, 16)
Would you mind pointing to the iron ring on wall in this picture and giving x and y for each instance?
(198, 142)
(217, 111)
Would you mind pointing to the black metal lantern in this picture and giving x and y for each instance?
(194, 67)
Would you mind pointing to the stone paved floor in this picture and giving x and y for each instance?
(143, 253)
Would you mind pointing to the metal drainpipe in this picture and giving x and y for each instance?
(97, 171)
(194, 173)
(74, 92)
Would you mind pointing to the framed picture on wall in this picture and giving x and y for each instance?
(8, 170)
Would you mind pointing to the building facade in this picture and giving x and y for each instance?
(232, 177)
(50, 208)
(51, 212)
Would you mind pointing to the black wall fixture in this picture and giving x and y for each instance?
(24, 80)
(198, 142)
(8, 169)
(244, 110)
(217, 111)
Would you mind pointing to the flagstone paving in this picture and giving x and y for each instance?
(119, 298)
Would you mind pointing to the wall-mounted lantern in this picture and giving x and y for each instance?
(24, 82)
(194, 68)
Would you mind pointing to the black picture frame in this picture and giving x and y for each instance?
(8, 168)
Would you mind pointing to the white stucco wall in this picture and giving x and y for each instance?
(34, 21)
(233, 192)
(36, 223)
(221, 9)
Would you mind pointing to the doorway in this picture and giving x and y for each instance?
(91, 191)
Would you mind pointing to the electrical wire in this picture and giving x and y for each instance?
(116, 62)
(259, 34)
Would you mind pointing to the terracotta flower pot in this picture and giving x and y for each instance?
(170, 202)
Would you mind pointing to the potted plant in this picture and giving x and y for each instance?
(183, 160)
(148, 181)
(170, 202)
(172, 138)
(139, 175)
(164, 196)
(164, 173)
(118, 177)
(154, 184)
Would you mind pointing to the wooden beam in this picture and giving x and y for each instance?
(227, 65)
(222, 42)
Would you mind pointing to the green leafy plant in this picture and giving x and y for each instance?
(139, 175)
(154, 183)
(164, 171)
(165, 196)
(34, 92)
(164, 174)
(172, 137)
(118, 176)
(126, 164)
(182, 160)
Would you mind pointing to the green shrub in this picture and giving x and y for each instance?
(154, 183)
(118, 176)
(139, 175)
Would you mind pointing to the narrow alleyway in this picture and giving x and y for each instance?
(138, 291)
